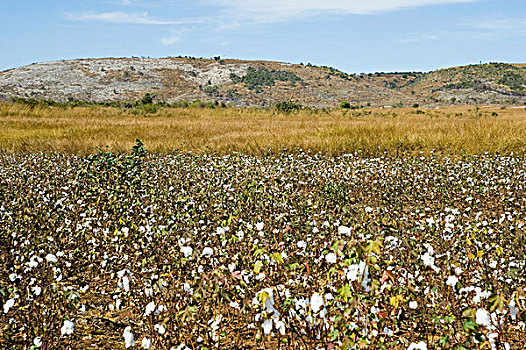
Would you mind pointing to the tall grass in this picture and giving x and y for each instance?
(82, 130)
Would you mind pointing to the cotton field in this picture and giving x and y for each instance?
(298, 251)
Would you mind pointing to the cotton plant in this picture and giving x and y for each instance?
(298, 248)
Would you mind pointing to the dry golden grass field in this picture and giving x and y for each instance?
(83, 130)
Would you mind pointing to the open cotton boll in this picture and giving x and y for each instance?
(301, 244)
(187, 251)
(344, 230)
(280, 326)
(513, 310)
(149, 308)
(482, 317)
(67, 328)
(267, 326)
(51, 258)
(452, 281)
(128, 337)
(352, 273)
(316, 302)
(417, 346)
(428, 259)
(207, 251)
(37, 342)
(331, 258)
(8, 305)
(146, 343)
(160, 328)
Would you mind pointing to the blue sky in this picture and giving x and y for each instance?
(352, 35)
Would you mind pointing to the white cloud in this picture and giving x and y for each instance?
(129, 18)
(174, 39)
(281, 10)
(502, 24)
(420, 38)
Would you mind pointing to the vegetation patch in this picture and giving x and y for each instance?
(256, 79)
(299, 251)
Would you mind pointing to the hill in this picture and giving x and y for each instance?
(259, 83)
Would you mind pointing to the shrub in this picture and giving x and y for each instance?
(147, 99)
(287, 107)
(345, 105)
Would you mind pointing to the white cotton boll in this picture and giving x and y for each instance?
(428, 259)
(146, 343)
(267, 326)
(187, 251)
(234, 304)
(37, 342)
(493, 264)
(260, 226)
(331, 258)
(208, 251)
(366, 279)
(161, 308)
(149, 308)
(51, 258)
(344, 230)
(482, 317)
(388, 331)
(417, 346)
(452, 281)
(352, 273)
(301, 244)
(83, 309)
(368, 209)
(413, 305)
(513, 310)
(67, 328)
(429, 248)
(36, 290)
(125, 283)
(128, 337)
(8, 304)
(32, 263)
(160, 328)
(280, 326)
(316, 302)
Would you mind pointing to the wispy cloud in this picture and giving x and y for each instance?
(506, 25)
(420, 37)
(171, 40)
(175, 37)
(128, 18)
(268, 11)
(462, 34)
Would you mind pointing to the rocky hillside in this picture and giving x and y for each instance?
(258, 83)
